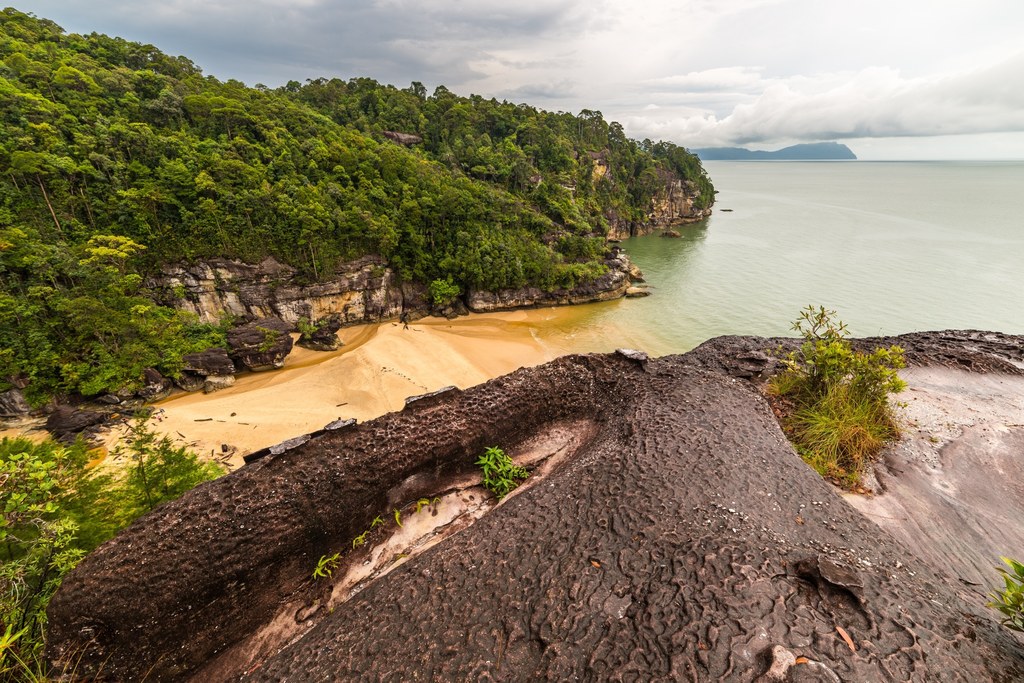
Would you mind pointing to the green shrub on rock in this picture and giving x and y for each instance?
(501, 475)
(835, 399)
(1010, 600)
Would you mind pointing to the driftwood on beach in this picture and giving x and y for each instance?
(677, 538)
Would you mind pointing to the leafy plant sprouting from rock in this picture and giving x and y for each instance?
(1010, 600)
(326, 565)
(306, 327)
(835, 399)
(501, 475)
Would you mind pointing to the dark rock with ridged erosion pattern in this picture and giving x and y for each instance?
(678, 537)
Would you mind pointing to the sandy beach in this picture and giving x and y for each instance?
(377, 369)
(379, 366)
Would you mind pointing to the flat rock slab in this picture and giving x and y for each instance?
(952, 489)
(684, 540)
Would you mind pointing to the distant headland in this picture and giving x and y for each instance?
(805, 152)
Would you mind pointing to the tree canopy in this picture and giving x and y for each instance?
(117, 158)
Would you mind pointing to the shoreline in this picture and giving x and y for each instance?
(380, 366)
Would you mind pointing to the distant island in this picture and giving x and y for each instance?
(804, 152)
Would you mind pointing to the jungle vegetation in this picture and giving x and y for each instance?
(116, 158)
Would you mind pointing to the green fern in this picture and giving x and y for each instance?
(501, 475)
(326, 565)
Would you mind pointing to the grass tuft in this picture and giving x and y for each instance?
(835, 401)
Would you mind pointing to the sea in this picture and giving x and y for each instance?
(892, 247)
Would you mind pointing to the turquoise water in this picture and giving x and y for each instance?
(892, 246)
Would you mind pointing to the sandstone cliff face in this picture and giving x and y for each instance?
(672, 205)
(362, 291)
(611, 285)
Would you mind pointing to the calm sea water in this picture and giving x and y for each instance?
(892, 246)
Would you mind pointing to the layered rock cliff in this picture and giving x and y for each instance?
(365, 290)
(673, 204)
(361, 291)
(668, 532)
(612, 285)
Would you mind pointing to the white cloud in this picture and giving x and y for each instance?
(710, 80)
(698, 72)
(874, 102)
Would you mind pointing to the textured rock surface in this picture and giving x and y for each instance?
(961, 458)
(672, 205)
(217, 382)
(683, 540)
(13, 403)
(212, 361)
(637, 292)
(260, 345)
(67, 422)
(407, 139)
(611, 285)
(361, 291)
(324, 337)
(155, 386)
(197, 368)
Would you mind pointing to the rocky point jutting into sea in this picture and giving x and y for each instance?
(368, 290)
(668, 531)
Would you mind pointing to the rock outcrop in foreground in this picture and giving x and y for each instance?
(672, 535)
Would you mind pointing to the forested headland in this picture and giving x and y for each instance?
(117, 158)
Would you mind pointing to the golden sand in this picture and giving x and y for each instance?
(377, 369)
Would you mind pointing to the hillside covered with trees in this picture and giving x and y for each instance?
(117, 158)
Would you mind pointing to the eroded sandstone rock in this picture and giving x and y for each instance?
(612, 285)
(324, 337)
(683, 539)
(155, 386)
(360, 291)
(13, 403)
(213, 364)
(260, 345)
(66, 422)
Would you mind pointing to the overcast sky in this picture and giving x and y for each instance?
(893, 79)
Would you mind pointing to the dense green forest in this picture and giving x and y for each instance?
(116, 158)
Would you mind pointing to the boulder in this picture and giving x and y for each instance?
(406, 139)
(637, 292)
(415, 301)
(451, 311)
(217, 382)
(199, 367)
(13, 403)
(671, 233)
(261, 345)
(156, 386)
(189, 381)
(324, 337)
(212, 361)
(66, 422)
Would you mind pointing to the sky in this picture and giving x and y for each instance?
(892, 79)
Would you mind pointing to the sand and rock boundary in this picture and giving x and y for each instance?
(677, 536)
